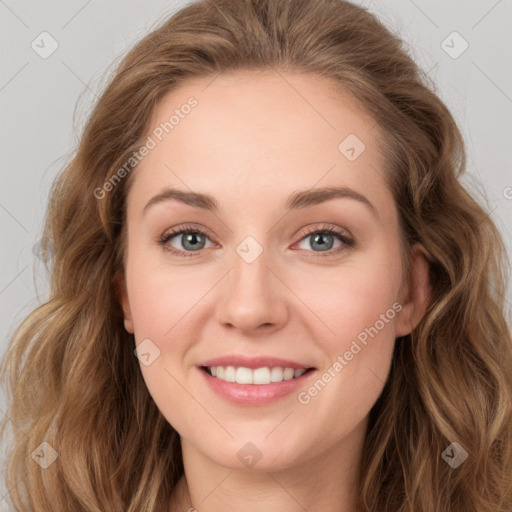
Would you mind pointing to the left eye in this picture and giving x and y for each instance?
(323, 240)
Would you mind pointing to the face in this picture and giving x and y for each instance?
(273, 273)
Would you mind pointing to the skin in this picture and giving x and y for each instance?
(253, 139)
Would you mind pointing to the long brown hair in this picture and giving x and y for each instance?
(72, 376)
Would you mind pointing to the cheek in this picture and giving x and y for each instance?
(160, 300)
(360, 308)
(352, 298)
(162, 305)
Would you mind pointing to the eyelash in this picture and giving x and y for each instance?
(348, 243)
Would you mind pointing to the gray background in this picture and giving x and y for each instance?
(44, 103)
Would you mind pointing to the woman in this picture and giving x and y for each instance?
(196, 354)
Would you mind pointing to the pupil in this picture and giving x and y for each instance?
(323, 246)
(191, 238)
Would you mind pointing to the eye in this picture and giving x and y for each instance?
(193, 240)
(324, 238)
(190, 238)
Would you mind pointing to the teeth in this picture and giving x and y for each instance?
(264, 375)
(261, 376)
(244, 376)
(229, 374)
(276, 374)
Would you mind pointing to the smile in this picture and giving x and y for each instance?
(259, 376)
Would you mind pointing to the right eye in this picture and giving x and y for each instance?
(190, 238)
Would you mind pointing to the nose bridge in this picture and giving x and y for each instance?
(252, 295)
(251, 271)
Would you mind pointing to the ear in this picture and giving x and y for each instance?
(415, 293)
(122, 295)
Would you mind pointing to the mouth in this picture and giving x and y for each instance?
(254, 381)
(261, 376)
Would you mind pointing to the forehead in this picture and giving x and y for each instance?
(260, 132)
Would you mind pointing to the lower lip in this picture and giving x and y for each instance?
(254, 394)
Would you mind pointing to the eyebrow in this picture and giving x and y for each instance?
(298, 200)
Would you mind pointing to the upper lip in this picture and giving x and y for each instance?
(254, 362)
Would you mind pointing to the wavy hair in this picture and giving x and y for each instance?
(70, 369)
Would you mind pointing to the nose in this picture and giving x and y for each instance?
(253, 297)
